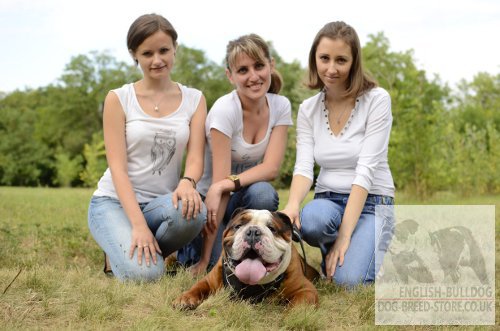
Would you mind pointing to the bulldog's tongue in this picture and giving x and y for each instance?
(250, 271)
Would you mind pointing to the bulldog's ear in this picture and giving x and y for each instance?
(284, 217)
(237, 211)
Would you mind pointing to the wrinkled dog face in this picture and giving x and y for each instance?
(258, 246)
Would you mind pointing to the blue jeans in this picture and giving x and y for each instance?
(321, 219)
(260, 195)
(112, 230)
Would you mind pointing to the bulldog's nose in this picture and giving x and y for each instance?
(253, 235)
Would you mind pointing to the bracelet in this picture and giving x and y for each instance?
(191, 180)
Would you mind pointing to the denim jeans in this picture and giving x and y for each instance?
(321, 219)
(260, 195)
(112, 230)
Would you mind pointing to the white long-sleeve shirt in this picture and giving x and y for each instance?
(358, 155)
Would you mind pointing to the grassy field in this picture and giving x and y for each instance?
(51, 278)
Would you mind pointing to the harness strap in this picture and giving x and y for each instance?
(297, 238)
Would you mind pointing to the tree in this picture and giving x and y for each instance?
(24, 159)
(295, 90)
(418, 111)
(43, 129)
(67, 169)
(438, 141)
(74, 108)
(95, 161)
(478, 101)
(192, 68)
(477, 125)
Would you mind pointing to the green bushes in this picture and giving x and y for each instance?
(442, 139)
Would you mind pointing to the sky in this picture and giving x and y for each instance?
(454, 39)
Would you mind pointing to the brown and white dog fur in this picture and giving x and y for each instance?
(265, 236)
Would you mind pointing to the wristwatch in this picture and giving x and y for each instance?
(236, 180)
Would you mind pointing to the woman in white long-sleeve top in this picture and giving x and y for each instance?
(345, 129)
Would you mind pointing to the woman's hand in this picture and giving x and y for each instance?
(146, 244)
(336, 255)
(198, 268)
(293, 214)
(212, 202)
(191, 200)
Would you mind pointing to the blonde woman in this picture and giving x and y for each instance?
(246, 132)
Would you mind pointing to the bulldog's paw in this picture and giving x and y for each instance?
(186, 301)
(306, 297)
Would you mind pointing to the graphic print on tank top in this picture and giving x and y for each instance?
(162, 151)
(245, 164)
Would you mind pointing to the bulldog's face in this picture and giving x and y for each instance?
(258, 245)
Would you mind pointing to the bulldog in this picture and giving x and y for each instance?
(258, 260)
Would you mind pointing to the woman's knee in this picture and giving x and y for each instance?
(351, 277)
(261, 195)
(174, 233)
(161, 214)
(193, 226)
(359, 260)
(317, 218)
(162, 208)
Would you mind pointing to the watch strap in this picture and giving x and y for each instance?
(236, 180)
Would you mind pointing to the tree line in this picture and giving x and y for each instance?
(442, 139)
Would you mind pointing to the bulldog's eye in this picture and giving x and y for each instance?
(273, 230)
(236, 226)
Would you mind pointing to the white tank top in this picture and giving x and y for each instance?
(155, 146)
(226, 116)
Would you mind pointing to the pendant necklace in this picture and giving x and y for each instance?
(157, 104)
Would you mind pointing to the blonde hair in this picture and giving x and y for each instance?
(358, 81)
(256, 48)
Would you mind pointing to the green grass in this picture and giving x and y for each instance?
(45, 243)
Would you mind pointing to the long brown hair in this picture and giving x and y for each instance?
(256, 48)
(358, 81)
